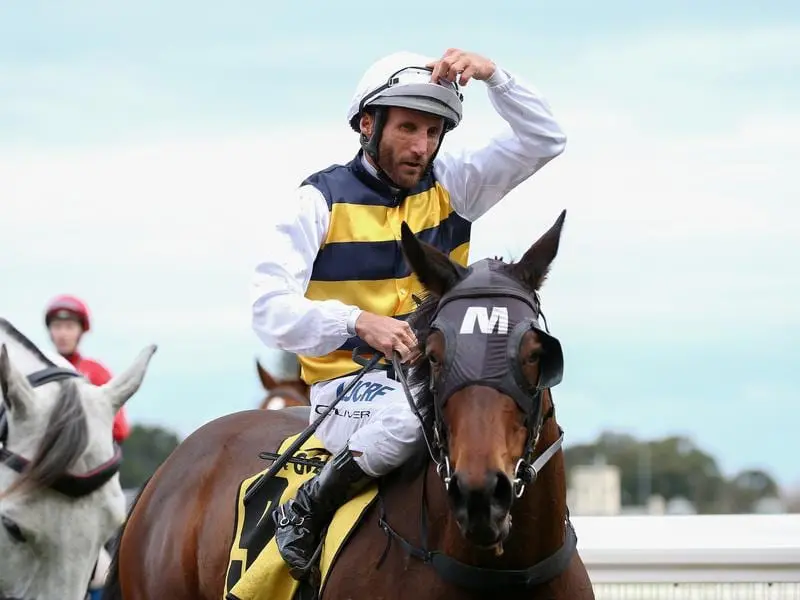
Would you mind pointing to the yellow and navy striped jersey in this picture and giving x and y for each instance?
(361, 262)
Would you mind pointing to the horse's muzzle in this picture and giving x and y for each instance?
(482, 511)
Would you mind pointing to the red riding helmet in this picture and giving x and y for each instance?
(66, 306)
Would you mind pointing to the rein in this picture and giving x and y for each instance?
(70, 485)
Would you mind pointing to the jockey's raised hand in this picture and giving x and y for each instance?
(387, 334)
(464, 65)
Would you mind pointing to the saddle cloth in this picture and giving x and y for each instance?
(256, 571)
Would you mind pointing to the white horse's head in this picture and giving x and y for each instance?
(60, 496)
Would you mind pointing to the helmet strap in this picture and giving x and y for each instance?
(372, 143)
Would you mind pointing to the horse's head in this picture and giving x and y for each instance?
(60, 496)
(488, 362)
(281, 392)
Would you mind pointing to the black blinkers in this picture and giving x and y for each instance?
(484, 319)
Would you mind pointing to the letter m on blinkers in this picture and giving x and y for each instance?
(487, 322)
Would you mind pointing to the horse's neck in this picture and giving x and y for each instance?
(538, 517)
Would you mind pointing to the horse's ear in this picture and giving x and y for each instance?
(267, 380)
(123, 386)
(15, 389)
(533, 267)
(433, 268)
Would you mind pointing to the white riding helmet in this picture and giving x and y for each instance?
(401, 79)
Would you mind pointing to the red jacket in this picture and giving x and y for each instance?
(98, 375)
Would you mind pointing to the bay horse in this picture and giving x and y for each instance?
(282, 393)
(60, 495)
(442, 525)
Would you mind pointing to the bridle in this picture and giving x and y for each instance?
(481, 288)
(484, 286)
(70, 485)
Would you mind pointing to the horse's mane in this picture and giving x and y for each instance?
(418, 378)
(66, 435)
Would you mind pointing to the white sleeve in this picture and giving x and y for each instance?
(478, 179)
(283, 317)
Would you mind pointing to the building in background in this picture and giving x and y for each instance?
(595, 489)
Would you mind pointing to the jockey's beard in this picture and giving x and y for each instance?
(405, 169)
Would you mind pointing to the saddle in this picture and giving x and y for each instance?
(256, 570)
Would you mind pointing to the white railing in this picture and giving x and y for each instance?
(747, 557)
(697, 557)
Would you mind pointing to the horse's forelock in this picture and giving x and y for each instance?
(65, 439)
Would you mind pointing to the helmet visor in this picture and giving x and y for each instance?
(411, 75)
(412, 88)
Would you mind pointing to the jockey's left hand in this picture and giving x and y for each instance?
(464, 65)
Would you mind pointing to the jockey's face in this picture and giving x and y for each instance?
(65, 333)
(408, 141)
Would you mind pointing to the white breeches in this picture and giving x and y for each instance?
(374, 419)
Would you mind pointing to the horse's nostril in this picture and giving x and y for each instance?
(496, 492)
(502, 491)
(457, 495)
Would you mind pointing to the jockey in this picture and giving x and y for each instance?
(333, 275)
(67, 319)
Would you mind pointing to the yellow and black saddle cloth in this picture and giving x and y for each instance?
(256, 571)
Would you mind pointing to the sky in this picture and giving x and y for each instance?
(141, 146)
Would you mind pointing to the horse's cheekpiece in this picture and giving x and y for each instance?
(256, 570)
(73, 486)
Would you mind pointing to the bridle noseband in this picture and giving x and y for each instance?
(70, 485)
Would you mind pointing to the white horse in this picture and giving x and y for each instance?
(60, 496)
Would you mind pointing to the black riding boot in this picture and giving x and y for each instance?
(299, 522)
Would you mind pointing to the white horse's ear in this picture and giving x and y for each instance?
(15, 389)
(124, 385)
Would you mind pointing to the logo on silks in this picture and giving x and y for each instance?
(484, 319)
(363, 391)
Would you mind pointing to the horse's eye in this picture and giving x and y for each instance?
(534, 356)
(433, 359)
(13, 530)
